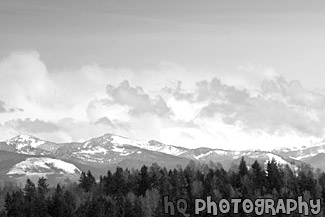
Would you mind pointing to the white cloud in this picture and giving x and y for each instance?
(184, 105)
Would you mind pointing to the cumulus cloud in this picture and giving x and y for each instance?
(23, 75)
(5, 108)
(280, 107)
(80, 130)
(182, 105)
(2, 107)
(137, 99)
(31, 126)
(104, 121)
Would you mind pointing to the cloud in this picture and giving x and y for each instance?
(293, 93)
(183, 105)
(179, 93)
(26, 83)
(216, 90)
(280, 107)
(4, 108)
(23, 75)
(104, 121)
(81, 130)
(31, 126)
(137, 99)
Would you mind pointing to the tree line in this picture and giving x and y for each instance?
(140, 192)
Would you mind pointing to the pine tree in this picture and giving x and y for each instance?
(118, 182)
(40, 203)
(107, 185)
(144, 181)
(42, 186)
(274, 177)
(150, 203)
(8, 203)
(69, 204)
(87, 181)
(55, 204)
(30, 199)
(258, 177)
(242, 168)
(14, 204)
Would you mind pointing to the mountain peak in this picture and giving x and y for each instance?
(110, 150)
(25, 139)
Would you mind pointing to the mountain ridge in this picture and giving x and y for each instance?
(110, 150)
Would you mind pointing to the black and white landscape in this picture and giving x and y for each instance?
(230, 90)
(26, 156)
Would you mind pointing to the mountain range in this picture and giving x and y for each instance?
(26, 156)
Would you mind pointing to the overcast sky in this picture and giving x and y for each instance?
(217, 73)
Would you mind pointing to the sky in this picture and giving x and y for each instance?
(216, 73)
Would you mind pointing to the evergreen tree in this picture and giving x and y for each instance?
(30, 199)
(56, 203)
(107, 185)
(40, 203)
(258, 177)
(242, 168)
(14, 203)
(69, 204)
(42, 186)
(143, 181)
(118, 182)
(135, 192)
(150, 203)
(274, 176)
(87, 181)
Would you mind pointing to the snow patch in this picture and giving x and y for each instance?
(118, 140)
(42, 165)
(166, 149)
(304, 156)
(277, 158)
(118, 149)
(35, 143)
(219, 152)
(95, 150)
(23, 141)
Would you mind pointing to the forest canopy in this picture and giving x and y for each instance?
(134, 192)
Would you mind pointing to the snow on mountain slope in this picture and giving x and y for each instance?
(95, 150)
(111, 149)
(24, 140)
(277, 158)
(305, 154)
(109, 144)
(151, 145)
(303, 157)
(228, 157)
(43, 166)
(25, 144)
(118, 140)
(212, 152)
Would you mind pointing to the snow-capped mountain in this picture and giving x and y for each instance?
(27, 144)
(313, 155)
(43, 166)
(18, 167)
(228, 157)
(25, 140)
(304, 152)
(118, 143)
(107, 151)
(111, 149)
(31, 156)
